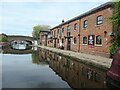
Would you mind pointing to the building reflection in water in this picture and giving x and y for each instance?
(77, 75)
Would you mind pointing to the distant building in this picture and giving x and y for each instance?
(44, 37)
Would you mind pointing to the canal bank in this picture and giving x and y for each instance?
(102, 63)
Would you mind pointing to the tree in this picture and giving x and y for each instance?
(37, 29)
(3, 38)
(115, 19)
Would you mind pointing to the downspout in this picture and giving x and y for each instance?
(79, 37)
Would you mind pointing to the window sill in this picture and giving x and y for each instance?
(85, 28)
(74, 44)
(99, 25)
(75, 30)
(84, 44)
(98, 45)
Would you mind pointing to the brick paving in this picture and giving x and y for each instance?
(97, 61)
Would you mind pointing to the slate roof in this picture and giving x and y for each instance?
(94, 10)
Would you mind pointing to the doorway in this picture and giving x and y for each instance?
(68, 44)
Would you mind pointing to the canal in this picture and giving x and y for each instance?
(37, 68)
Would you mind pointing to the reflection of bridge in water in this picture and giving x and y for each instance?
(10, 50)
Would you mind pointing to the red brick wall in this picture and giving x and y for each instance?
(93, 29)
(43, 38)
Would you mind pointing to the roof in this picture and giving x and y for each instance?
(94, 10)
(46, 29)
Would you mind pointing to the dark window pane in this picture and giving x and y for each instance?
(99, 40)
(84, 40)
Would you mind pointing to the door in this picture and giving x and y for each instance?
(55, 43)
(68, 44)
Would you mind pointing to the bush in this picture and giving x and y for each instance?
(115, 44)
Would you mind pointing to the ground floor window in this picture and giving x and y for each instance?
(57, 40)
(62, 40)
(84, 40)
(75, 40)
(99, 40)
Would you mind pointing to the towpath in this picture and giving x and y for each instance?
(96, 61)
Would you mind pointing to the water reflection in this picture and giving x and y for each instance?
(20, 46)
(76, 74)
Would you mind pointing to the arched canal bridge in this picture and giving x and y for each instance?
(12, 38)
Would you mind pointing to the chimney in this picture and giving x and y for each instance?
(63, 21)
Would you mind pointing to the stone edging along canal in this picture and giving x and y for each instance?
(91, 60)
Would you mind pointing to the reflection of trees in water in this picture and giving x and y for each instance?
(35, 57)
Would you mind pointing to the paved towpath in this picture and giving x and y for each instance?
(97, 61)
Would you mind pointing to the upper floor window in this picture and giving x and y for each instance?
(62, 30)
(54, 33)
(99, 40)
(84, 40)
(75, 26)
(75, 40)
(85, 24)
(68, 30)
(99, 20)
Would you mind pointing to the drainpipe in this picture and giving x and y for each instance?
(79, 37)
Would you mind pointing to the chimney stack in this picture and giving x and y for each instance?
(63, 21)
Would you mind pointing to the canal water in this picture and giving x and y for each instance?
(38, 68)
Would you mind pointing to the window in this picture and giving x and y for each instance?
(68, 30)
(85, 24)
(62, 40)
(51, 41)
(75, 40)
(54, 33)
(58, 30)
(75, 26)
(84, 40)
(99, 40)
(62, 30)
(57, 40)
(99, 20)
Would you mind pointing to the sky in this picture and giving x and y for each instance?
(18, 17)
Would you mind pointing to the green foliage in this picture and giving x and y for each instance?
(37, 29)
(115, 44)
(3, 38)
(35, 58)
(115, 19)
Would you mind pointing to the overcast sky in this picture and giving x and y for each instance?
(18, 17)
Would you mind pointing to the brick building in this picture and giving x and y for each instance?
(87, 33)
(44, 36)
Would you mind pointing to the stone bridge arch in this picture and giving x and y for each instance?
(20, 37)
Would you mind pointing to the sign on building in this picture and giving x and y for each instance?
(91, 40)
